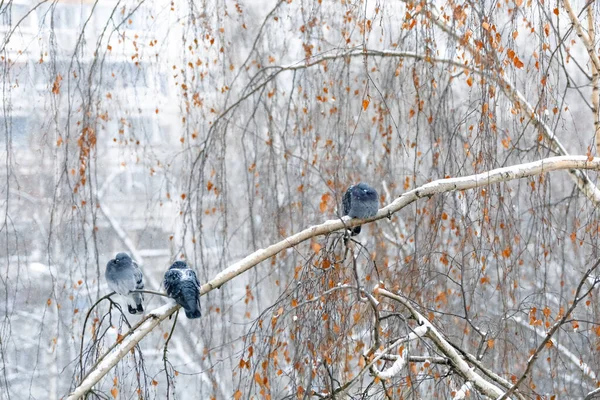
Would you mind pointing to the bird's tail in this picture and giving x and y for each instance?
(192, 307)
(192, 313)
(135, 303)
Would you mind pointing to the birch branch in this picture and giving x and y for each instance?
(463, 391)
(581, 179)
(592, 394)
(548, 337)
(595, 81)
(458, 363)
(587, 371)
(587, 40)
(155, 317)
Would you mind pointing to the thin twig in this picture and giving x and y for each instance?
(547, 340)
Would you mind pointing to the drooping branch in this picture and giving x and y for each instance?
(490, 71)
(155, 317)
(579, 296)
(587, 371)
(506, 87)
(588, 41)
(457, 361)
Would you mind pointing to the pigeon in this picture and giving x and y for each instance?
(123, 276)
(360, 201)
(182, 285)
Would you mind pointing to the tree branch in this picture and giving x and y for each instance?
(155, 317)
(458, 363)
(587, 371)
(547, 340)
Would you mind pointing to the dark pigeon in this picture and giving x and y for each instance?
(182, 285)
(123, 275)
(360, 201)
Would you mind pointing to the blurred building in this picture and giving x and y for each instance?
(68, 66)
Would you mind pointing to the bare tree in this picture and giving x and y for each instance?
(225, 133)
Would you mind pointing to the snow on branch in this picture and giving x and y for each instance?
(579, 296)
(457, 361)
(155, 317)
(463, 391)
(521, 104)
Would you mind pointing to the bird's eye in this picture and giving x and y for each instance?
(365, 190)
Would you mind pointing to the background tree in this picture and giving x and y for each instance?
(211, 131)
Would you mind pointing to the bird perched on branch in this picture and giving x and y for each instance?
(360, 201)
(123, 276)
(182, 285)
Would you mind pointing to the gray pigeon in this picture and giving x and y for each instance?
(182, 285)
(123, 275)
(360, 201)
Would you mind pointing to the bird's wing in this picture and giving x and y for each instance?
(171, 282)
(196, 279)
(347, 201)
(139, 277)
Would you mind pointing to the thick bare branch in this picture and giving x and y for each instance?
(548, 338)
(155, 317)
(581, 179)
(459, 364)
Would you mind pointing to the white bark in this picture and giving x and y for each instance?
(400, 361)
(394, 370)
(457, 361)
(462, 392)
(156, 316)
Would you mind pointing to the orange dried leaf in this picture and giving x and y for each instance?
(56, 84)
(323, 206)
(365, 104)
(518, 63)
(316, 247)
(546, 312)
(114, 392)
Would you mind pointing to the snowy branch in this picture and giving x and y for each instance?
(463, 391)
(581, 179)
(400, 360)
(459, 364)
(155, 317)
(548, 337)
